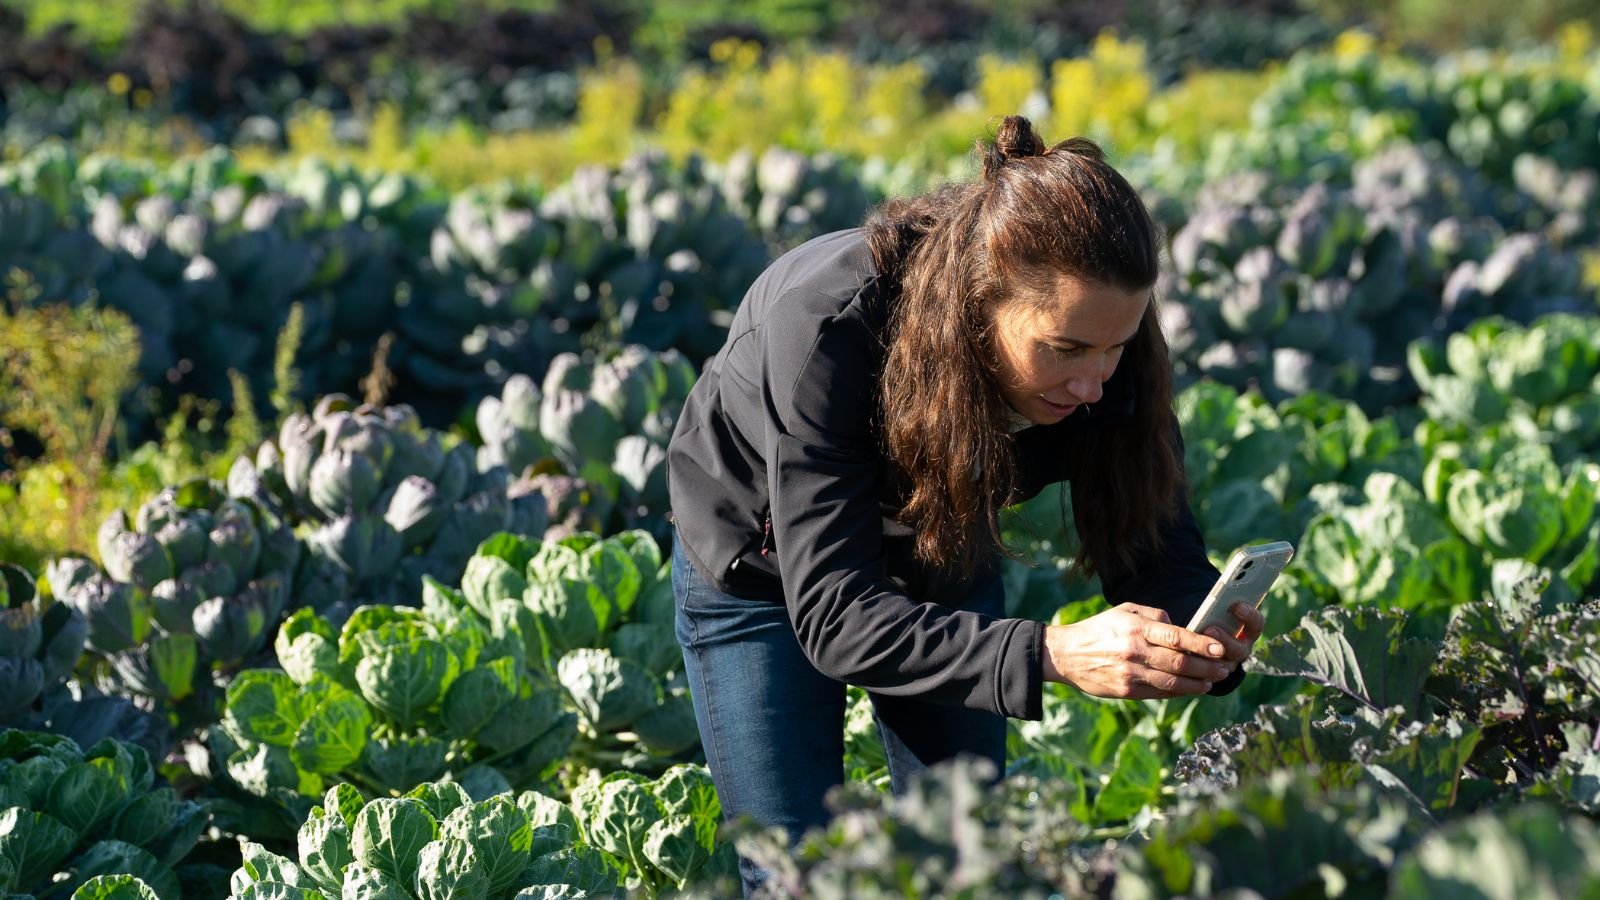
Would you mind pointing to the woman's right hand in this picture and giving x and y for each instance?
(1133, 652)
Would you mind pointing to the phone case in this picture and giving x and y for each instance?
(1247, 577)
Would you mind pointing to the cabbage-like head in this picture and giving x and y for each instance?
(578, 428)
(235, 542)
(344, 481)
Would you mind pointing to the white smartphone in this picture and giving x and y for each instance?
(1246, 578)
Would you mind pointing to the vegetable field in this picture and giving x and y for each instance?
(332, 469)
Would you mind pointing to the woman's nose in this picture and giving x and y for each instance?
(1086, 387)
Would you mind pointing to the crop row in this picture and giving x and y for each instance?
(233, 72)
(1486, 490)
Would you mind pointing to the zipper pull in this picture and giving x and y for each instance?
(766, 536)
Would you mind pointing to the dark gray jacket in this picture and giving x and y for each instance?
(781, 493)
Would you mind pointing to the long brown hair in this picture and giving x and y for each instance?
(959, 253)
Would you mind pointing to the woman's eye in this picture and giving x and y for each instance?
(1065, 352)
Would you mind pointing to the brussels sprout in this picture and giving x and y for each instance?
(65, 574)
(610, 693)
(363, 547)
(231, 628)
(173, 604)
(235, 542)
(164, 668)
(578, 428)
(343, 482)
(630, 386)
(300, 440)
(119, 615)
(185, 542)
(132, 557)
(1257, 304)
(415, 512)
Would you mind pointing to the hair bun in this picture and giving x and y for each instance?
(1015, 139)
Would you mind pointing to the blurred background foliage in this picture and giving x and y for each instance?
(512, 97)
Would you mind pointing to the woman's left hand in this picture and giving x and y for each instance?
(1238, 649)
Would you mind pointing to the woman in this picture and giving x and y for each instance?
(837, 472)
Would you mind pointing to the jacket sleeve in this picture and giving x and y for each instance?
(823, 468)
(1177, 579)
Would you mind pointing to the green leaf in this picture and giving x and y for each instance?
(674, 847)
(499, 832)
(550, 838)
(1074, 727)
(32, 777)
(344, 801)
(400, 762)
(88, 794)
(333, 737)
(489, 579)
(475, 698)
(1135, 782)
(142, 821)
(441, 798)
(263, 769)
(564, 614)
(261, 866)
(450, 870)
(120, 858)
(625, 810)
(654, 647)
(304, 656)
(542, 809)
(114, 887)
(686, 789)
(390, 834)
(610, 693)
(1284, 836)
(581, 867)
(264, 707)
(35, 844)
(323, 843)
(1427, 761)
(670, 727)
(189, 822)
(522, 722)
(1357, 651)
(614, 582)
(366, 883)
(406, 681)
(275, 891)
(1525, 852)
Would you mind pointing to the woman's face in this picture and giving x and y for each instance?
(1053, 359)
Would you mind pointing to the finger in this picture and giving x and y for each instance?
(1174, 662)
(1147, 612)
(1173, 637)
(1253, 620)
(1236, 649)
(1161, 686)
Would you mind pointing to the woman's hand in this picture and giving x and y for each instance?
(1238, 649)
(1135, 652)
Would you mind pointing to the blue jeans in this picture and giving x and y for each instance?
(773, 726)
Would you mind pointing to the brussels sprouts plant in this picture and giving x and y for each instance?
(1540, 383)
(380, 502)
(598, 618)
(194, 583)
(606, 424)
(396, 697)
(1300, 287)
(42, 643)
(629, 834)
(69, 815)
